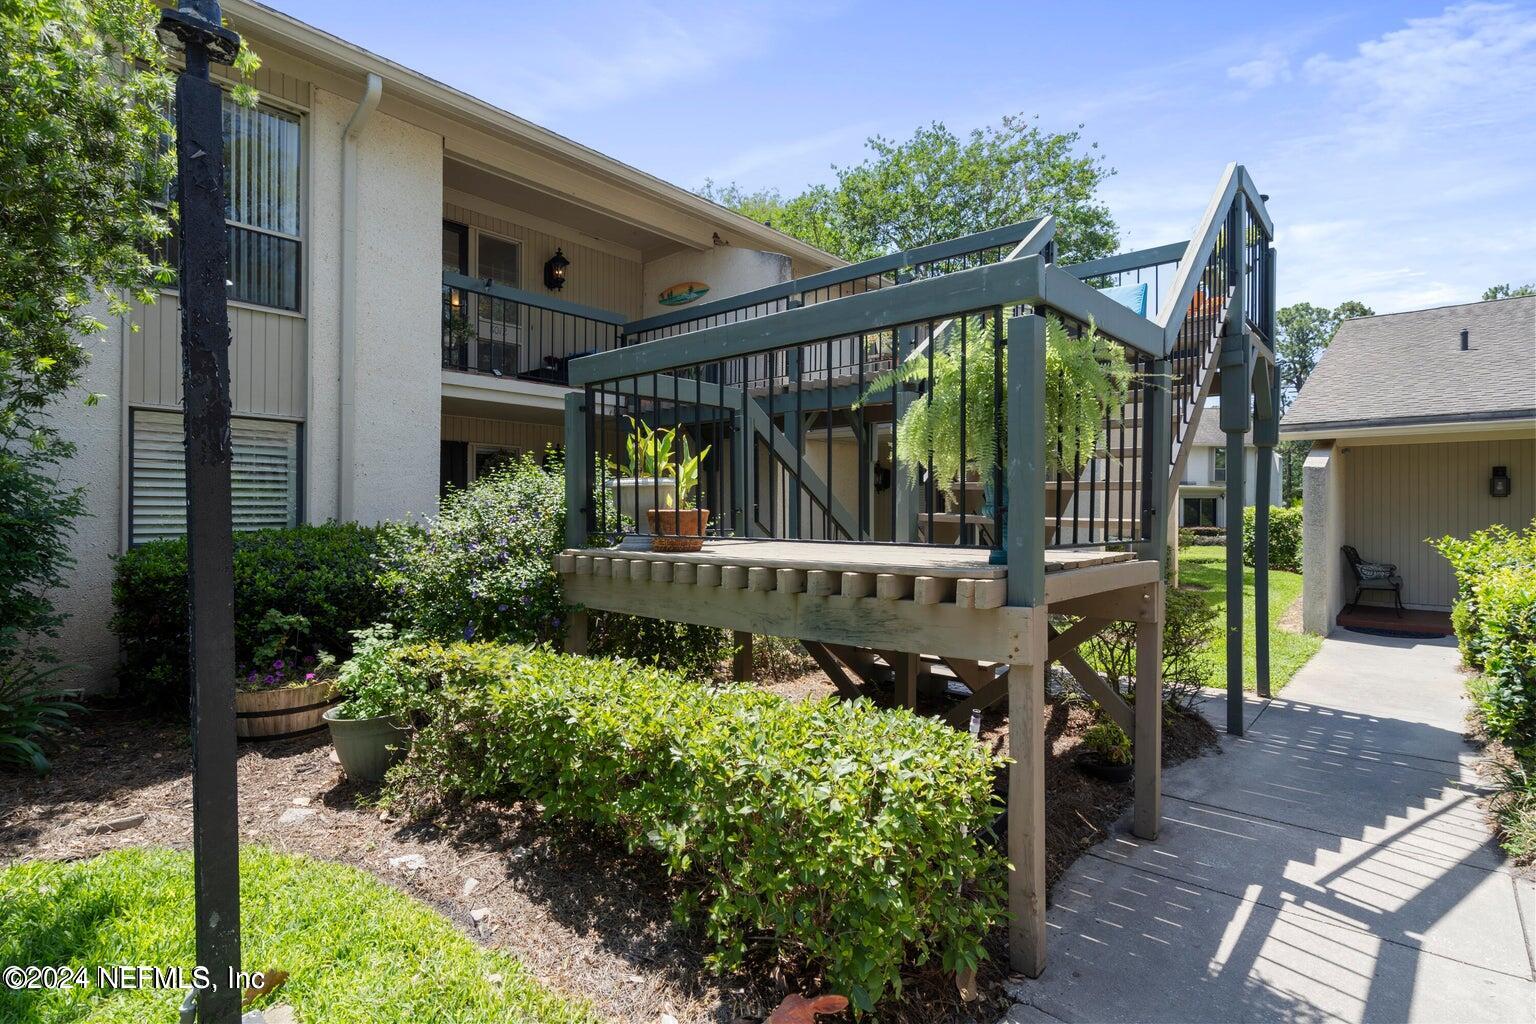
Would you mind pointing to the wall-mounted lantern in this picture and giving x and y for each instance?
(554, 271)
(1498, 484)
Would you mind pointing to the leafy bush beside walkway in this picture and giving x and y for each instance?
(823, 833)
(1495, 619)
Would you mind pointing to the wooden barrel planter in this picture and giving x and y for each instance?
(282, 711)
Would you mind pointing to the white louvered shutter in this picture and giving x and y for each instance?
(263, 481)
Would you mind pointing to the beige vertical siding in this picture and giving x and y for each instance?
(527, 437)
(1395, 496)
(267, 367)
(271, 83)
(596, 278)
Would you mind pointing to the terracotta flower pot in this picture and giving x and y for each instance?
(282, 711)
(675, 529)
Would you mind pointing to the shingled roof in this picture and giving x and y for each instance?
(1402, 369)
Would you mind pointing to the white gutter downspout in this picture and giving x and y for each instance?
(346, 431)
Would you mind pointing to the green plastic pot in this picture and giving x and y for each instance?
(367, 747)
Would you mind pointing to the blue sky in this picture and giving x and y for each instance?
(1397, 140)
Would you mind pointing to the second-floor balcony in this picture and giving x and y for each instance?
(514, 334)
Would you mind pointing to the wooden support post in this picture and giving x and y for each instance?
(576, 633)
(1147, 815)
(741, 663)
(1026, 804)
(905, 666)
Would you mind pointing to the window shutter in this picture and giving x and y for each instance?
(264, 478)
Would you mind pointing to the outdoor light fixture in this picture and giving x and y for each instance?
(1498, 484)
(554, 271)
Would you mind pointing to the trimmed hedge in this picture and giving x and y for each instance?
(1284, 538)
(1495, 620)
(325, 573)
(838, 835)
(1190, 535)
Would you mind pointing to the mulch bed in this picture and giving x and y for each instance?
(587, 918)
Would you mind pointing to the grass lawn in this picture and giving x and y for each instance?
(357, 951)
(1206, 566)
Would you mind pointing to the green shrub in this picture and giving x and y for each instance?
(1192, 535)
(834, 834)
(694, 651)
(1505, 644)
(1473, 559)
(484, 568)
(32, 712)
(325, 573)
(1284, 538)
(1189, 627)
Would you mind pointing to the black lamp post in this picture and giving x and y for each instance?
(195, 28)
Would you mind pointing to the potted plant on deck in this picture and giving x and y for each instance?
(369, 728)
(644, 481)
(283, 692)
(1084, 376)
(681, 528)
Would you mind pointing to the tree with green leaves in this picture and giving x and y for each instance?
(1504, 291)
(937, 185)
(84, 95)
(1304, 332)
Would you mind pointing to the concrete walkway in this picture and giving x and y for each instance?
(1334, 864)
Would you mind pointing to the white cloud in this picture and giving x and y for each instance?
(1471, 66)
(1262, 72)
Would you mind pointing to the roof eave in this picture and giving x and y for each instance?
(329, 50)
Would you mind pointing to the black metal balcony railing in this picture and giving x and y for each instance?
(804, 439)
(507, 332)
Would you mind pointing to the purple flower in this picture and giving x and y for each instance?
(308, 659)
(556, 622)
(309, 677)
(271, 680)
(253, 677)
(501, 607)
(278, 664)
(527, 600)
(469, 632)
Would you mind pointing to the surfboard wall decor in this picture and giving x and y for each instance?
(683, 293)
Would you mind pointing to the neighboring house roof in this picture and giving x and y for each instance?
(1407, 369)
(314, 44)
(1208, 430)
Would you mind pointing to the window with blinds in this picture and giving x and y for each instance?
(262, 172)
(264, 478)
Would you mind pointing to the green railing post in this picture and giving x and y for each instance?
(1158, 392)
(1236, 420)
(1266, 434)
(578, 471)
(1026, 460)
(904, 491)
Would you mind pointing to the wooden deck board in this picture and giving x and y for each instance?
(881, 559)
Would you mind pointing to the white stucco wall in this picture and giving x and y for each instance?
(87, 646)
(725, 268)
(1322, 524)
(398, 396)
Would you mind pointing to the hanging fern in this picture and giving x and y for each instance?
(1084, 377)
